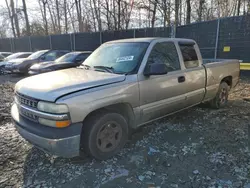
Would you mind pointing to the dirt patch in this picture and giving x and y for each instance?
(199, 147)
(6, 99)
(13, 78)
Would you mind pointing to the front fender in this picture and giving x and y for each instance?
(83, 103)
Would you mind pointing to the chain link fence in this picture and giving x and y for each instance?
(222, 38)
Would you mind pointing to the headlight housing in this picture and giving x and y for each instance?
(52, 107)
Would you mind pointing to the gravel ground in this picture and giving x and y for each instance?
(199, 147)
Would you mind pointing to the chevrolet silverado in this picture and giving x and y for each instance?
(122, 85)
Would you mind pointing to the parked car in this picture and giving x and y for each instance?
(122, 85)
(4, 55)
(12, 57)
(69, 60)
(23, 65)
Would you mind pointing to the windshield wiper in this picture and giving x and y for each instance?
(106, 68)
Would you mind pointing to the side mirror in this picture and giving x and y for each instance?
(156, 69)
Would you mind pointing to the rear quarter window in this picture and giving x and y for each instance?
(189, 55)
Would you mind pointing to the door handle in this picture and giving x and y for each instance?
(181, 79)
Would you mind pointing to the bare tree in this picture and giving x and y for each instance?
(93, 15)
(97, 13)
(52, 17)
(107, 13)
(163, 11)
(43, 4)
(128, 14)
(11, 19)
(65, 15)
(69, 9)
(79, 14)
(238, 7)
(114, 14)
(177, 6)
(180, 12)
(201, 3)
(26, 18)
(119, 13)
(58, 16)
(14, 14)
(248, 7)
(155, 3)
(188, 18)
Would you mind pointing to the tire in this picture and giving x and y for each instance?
(221, 98)
(100, 129)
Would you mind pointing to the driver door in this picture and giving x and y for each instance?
(162, 94)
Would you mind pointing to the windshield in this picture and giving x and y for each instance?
(37, 54)
(121, 57)
(69, 57)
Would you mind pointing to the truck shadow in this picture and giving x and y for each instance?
(11, 78)
(39, 167)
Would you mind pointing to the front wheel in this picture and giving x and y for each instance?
(221, 97)
(103, 135)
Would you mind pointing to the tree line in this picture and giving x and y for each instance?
(45, 17)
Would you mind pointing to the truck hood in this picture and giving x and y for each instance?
(50, 86)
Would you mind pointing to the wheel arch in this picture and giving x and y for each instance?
(125, 109)
(228, 80)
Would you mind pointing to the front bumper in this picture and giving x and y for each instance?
(63, 142)
(12, 69)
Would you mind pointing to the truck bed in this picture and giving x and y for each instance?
(216, 70)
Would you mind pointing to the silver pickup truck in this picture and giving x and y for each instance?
(121, 86)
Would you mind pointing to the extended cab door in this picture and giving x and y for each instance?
(194, 73)
(162, 94)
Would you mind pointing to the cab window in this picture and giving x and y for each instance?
(189, 55)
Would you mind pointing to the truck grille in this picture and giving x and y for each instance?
(28, 115)
(27, 101)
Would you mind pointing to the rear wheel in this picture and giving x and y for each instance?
(221, 97)
(103, 135)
